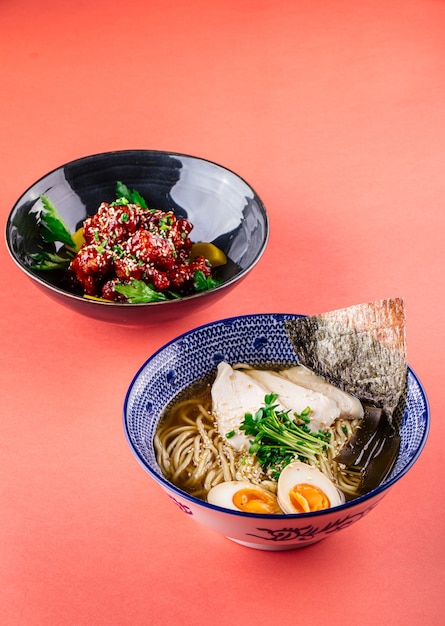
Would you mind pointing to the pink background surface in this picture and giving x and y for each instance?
(334, 112)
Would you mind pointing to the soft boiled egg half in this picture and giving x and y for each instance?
(243, 496)
(303, 488)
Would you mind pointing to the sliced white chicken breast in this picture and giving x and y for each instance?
(350, 406)
(234, 394)
(296, 398)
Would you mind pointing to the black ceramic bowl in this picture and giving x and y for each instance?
(222, 207)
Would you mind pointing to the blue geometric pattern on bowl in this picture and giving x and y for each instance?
(258, 339)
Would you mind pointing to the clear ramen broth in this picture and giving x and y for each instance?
(195, 457)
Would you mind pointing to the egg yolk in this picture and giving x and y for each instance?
(307, 498)
(252, 500)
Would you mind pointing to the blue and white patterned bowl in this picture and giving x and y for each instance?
(258, 339)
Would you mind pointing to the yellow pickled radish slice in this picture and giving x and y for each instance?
(78, 238)
(211, 252)
(96, 298)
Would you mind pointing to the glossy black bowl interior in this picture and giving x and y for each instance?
(223, 208)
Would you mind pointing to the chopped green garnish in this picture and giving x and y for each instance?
(120, 202)
(101, 247)
(230, 434)
(164, 223)
(118, 250)
(279, 439)
(201, 282)
(138, 291)
(124, 195)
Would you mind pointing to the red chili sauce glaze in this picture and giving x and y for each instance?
(124, 242)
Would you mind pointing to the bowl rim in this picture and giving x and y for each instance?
(128, 305)
(166, 484)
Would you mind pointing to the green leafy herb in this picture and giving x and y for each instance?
(49, 261)
(138, 291)
(101, 246)
(118, 250)
(124, 195)
(279, 439)
(201, 282)
(165, 223)
(51, 230)
(52, 227)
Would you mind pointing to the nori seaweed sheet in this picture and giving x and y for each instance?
(361, 349)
